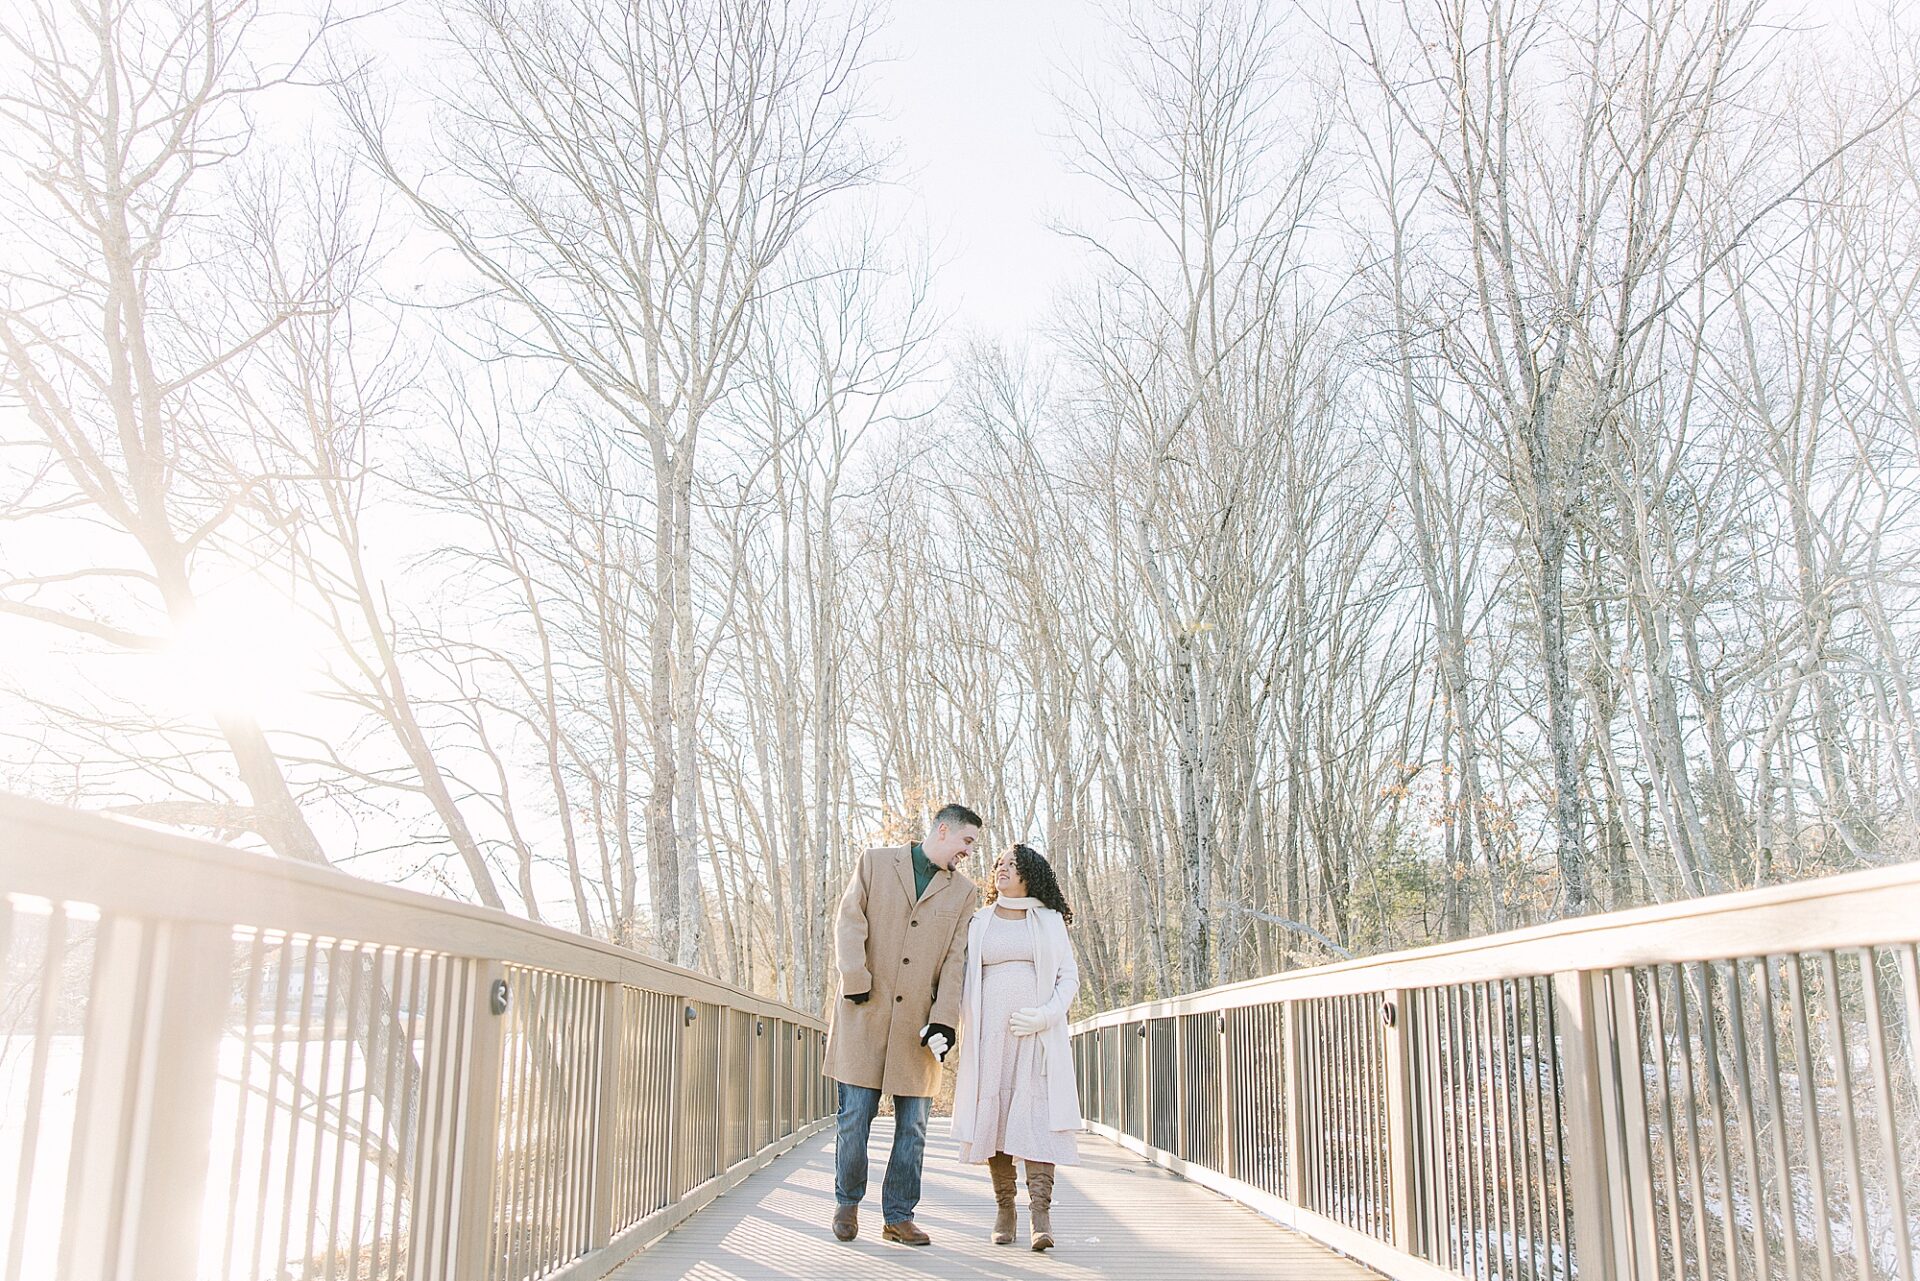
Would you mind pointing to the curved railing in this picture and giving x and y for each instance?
(1723, 1088)
(218, 1064)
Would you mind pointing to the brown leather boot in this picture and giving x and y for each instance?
(906, 1233)
(846, 1222)
(1006, 1185)
(1040, 1202)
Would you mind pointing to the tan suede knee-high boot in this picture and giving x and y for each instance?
(1006, 1185)
(1040, 1202)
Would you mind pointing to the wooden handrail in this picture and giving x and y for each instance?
(1854, 909)
(1662, 1093)
(125, 866)
(276, 1067)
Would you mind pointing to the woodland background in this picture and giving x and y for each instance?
(512, 447)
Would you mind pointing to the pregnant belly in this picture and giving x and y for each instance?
(1009, 983)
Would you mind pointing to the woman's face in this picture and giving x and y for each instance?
(1006, 877)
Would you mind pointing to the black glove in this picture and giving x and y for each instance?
(951, 1039)
(859, 998)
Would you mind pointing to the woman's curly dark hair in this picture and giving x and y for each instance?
(1041, 883)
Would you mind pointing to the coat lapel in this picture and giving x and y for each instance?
(903, 864)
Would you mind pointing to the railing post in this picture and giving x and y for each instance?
(137, 1180)
(1576, 1011)
(606, 1120)
(1402, 1173)
(1294, 1122)
(478, 1126)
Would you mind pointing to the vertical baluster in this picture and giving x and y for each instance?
(1810, 1114)
(340, 1116)
(1747, 1122)
(1849, 1137)
(1293, 1098)
(1710, 1051)
(1503, 1113)
(1477, 1132)
(243, 1077)
(1541, 1067)
(372, 965)
(298, 1084)
(553, 1115)
(321, 1093)
(53, 959)
(1883, 1113)
(1563, 1156)
(1460, 1062)
(1669, 1146)
(1777, 1111)
(431, 1204)
(1354, 1073)
(591, 1011)
(402, 1093)
(609, 1114)
(1445, 1051)
(1697, 1202)
(1526, 1247)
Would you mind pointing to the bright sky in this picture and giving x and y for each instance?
(969, 98)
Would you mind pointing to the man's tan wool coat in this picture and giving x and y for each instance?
(911, 955)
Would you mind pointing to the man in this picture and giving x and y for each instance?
(900, 943)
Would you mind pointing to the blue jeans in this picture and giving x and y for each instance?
(900, 1193)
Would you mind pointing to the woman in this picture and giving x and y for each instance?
(1015, 1094)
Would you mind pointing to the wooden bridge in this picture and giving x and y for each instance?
(220, 1065)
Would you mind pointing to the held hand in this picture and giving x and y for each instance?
(859, 998)
(1027, 1022)
(939, 1040)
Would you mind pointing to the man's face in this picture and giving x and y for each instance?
(949, 844)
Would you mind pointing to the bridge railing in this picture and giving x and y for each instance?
(1724, 1088)
(221, 1065)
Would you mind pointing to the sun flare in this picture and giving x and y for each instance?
(247, 650)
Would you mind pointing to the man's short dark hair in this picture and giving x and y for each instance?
(958, 815)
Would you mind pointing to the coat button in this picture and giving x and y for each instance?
(906, 960)
(899, 998)
(913, 923)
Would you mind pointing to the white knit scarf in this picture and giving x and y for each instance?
(1018, 904)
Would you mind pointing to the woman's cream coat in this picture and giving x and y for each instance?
(1058, 980)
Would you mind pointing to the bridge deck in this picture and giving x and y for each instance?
(1114, 1216)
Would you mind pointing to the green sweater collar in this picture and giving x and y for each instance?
(923, 870)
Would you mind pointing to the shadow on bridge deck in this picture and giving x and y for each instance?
(1114, 1217)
